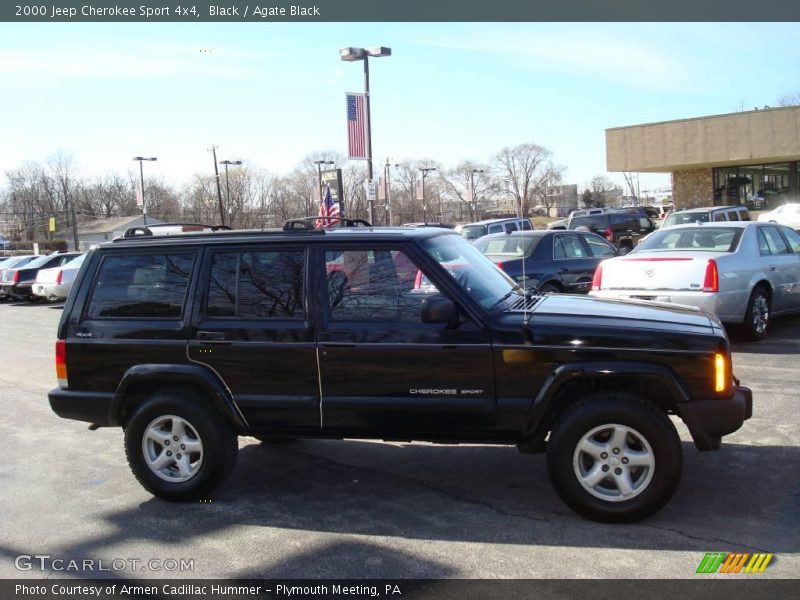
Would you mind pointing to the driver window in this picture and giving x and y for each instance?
(375, 284)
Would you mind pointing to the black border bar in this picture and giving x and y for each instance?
(748, 587)
(398, 10)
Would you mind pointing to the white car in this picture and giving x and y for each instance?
(786, 214)
(54, 284)
(743, 272)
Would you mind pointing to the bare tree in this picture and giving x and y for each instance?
(789, 99)
(525, 169)
(455, 188)
(600, 185)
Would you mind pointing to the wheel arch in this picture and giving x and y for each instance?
(569, 383)
(142, 380)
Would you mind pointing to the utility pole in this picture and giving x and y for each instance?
(219, 191)
(74, 224)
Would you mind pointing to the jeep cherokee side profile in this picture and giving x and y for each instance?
(400, 334)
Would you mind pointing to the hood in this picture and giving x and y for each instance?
(587, 322)
(629, 310)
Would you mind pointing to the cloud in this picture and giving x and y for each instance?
(607, 53)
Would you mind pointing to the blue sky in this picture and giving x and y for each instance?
(271, 93)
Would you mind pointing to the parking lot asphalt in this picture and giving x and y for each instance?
(350, 509)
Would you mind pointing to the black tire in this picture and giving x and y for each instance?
(219, 443)
(754, 328)
(625, 411)
(549, 288)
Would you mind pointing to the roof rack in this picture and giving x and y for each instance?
(310, 223)
(169, 228)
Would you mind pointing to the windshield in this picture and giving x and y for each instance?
(685, 218)
(702, 239)
(482, 280)
(508, 246)
(473, 232)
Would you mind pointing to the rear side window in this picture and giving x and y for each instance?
(771, 242)
(526, 225)
(793, 238)
(256, 285)
(720, 216)
(599, 247)
(143, 286)
(593, 222)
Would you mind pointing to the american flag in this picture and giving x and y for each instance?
(328, 209)
(356, 127)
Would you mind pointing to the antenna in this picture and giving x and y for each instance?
(524, 276)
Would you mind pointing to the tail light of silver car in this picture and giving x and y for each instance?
(711, 280)
(597, 280)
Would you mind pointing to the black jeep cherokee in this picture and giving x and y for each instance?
(400, 334)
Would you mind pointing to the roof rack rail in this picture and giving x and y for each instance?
(169, 228)
(309, 223)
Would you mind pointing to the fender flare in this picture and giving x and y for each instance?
(194, 374)
(566, 373)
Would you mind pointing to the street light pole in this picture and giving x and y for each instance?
(425, 171)
(350, 55)
(227, 182)
(219, 191)
(387, 167)
(141, 159)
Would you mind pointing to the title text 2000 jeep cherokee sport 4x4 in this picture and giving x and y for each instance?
(399, 334)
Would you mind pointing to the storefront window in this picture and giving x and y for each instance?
(759, 187)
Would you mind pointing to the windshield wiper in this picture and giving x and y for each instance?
(517, 289)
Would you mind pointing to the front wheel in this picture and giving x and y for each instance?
(179, 447)
(612, 457)
(548, 288)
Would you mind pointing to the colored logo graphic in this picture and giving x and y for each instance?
(734, 562)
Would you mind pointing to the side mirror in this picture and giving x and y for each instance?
(438, 309)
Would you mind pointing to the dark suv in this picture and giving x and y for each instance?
(398, 334)
(622, 228)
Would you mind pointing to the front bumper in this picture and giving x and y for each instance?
(709, 420)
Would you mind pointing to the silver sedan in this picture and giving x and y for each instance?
(743, 272)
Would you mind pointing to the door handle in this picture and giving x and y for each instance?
(211, 336)
(772, 268)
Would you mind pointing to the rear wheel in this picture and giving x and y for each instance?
(613, 457)
(179, 447)
(756, 319)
